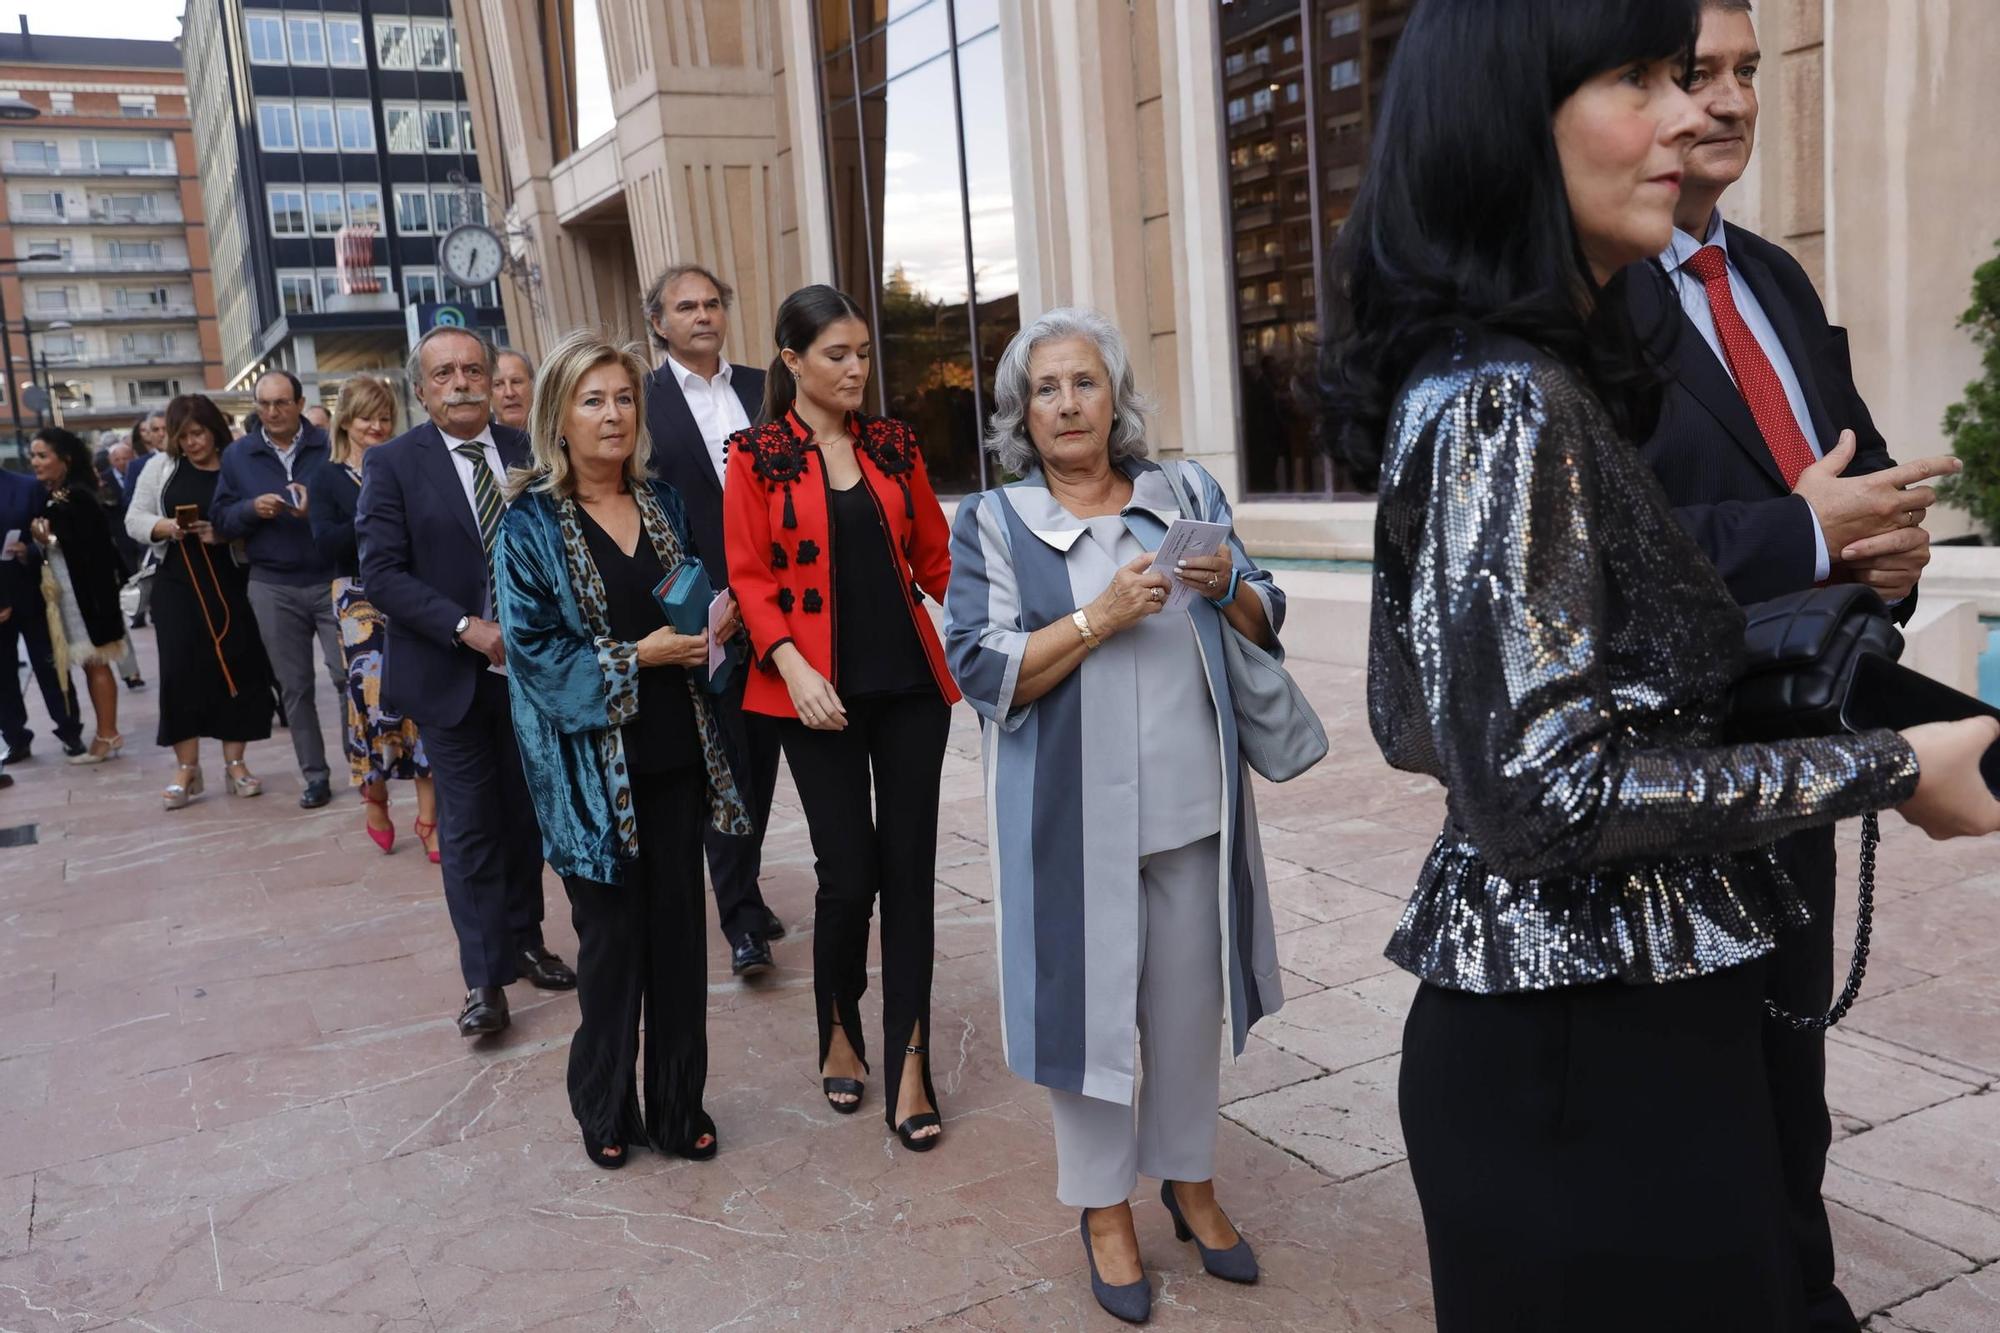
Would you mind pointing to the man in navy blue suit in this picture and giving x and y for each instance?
(1773, 464)
(23, 615)
(426, 521)
(694, 402)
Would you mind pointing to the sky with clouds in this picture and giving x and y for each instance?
(159, 20)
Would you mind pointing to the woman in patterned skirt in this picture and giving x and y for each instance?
(380, 744)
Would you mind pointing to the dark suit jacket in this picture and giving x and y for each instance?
(424, 567)
(680, 457)
(1707, 452)
(22, 500)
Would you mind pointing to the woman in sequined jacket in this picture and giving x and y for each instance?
(1582, 1090)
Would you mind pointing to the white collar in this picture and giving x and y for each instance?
(485, 437)
(1683, 245)
(688, 379)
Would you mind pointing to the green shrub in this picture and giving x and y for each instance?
(1972, 425)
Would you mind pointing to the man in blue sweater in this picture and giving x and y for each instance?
(260, 498)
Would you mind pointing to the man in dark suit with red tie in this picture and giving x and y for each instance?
(426, 521)
(1772, 462)
(694, 402)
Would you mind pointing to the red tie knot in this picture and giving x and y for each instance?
(1708, 263)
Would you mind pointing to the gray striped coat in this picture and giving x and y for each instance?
(1062, 786)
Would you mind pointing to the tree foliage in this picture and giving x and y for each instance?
(1972, 424)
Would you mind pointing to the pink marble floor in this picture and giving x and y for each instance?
(233, 1097)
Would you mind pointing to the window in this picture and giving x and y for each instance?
(1343, 74)
(143, 252)
(1238, 109)
(406, 134)
(433, 45)
(31, 155)
(392, 44)
(42, 203)
(316, 131)
(1292, 93)
(138, 107)
(308, 40)
(324, 207)
(1260, 101)
(447, 210)
(52, 300)
(364, 208)
(413, 212)
(1239, 156)
(267, 38)
(1267, 150)
(420, 285)
(139, 298)
(48, 249)
(1341, 22)
(140, 392)
(62, 104)
(487, 295)
(130, 154)
(1288, 44)
(297, 292)
(441, 129)
(329, 287)
(1235, 64)
(1261, 54)
(356, 122)
(148, 344)
(343, 43)
(120, 206)
(288, 212)
(465, 127)
(276, 130)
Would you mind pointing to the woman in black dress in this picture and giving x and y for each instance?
(214, 678)
(82, 572)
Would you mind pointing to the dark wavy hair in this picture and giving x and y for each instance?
(75, 454)
(802, 317)
(195, 409)
(1463, 222)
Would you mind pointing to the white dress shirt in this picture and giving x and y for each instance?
(718, 412)
(1694, 300)
(463, 466)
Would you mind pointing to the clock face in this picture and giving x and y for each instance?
(471, 255)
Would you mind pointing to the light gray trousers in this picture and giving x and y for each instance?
(289, 619)
(1102, 1148)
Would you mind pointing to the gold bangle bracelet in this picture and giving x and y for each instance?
(1091, 642)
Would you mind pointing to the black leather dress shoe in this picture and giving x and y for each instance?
(544, 971)
(772, 929)
(752, 958)
(18, 753)
(74, 748)
(315, 795)
(485, 1012)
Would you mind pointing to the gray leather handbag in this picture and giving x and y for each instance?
(1276, 729)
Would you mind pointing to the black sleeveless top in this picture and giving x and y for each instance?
(662, 738)
(876, 650)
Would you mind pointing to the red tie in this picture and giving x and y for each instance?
(1755, 379)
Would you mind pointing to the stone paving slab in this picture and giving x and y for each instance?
(233, 1097)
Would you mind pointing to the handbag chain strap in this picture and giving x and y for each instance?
(1864, 921)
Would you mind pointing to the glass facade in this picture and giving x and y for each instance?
(923, 214)
(1300, 82)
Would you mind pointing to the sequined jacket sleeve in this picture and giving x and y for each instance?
(1507, 589)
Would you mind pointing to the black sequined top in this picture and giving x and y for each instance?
(1550, 645)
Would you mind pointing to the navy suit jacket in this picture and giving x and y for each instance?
(22, 500)
(680, 458)
(424, 567)
(1718, 473)
(280, 549)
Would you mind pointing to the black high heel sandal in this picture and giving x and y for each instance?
(694, 1154)
(853, 1087)
(924, 1119)
(598, 1155)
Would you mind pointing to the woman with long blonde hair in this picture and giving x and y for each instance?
(381, 744)
(619, 744)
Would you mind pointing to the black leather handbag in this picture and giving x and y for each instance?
(1822, 662)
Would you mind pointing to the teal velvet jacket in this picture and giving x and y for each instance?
(572, 689)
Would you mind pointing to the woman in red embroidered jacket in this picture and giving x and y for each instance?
(834, 536)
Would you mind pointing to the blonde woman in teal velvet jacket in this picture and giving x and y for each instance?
(621, 751)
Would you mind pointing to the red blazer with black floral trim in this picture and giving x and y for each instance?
(775, 529)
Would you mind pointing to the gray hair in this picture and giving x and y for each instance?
(414, 366)
(655, 304)
(1007, 428)
(518, 355)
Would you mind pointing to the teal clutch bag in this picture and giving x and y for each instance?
(684, 595)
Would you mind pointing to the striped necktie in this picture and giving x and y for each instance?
(486, 504)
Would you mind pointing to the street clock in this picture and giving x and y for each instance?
(471, 255)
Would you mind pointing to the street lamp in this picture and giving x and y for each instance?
(13, 108)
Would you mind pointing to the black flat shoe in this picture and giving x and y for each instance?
(907, 1129)
(1132, 1302)
(485, 1012)
(1238, 1263)
(135, 682)
(772, 929)
(853, 1086)
(598, 1154)
(752, 958)
(316, 794)
(544, 971)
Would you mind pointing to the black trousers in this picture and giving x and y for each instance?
(1800, 979)
(31, 623)
(1600, 1157)
(860, 854)
(488, 841)
(640, 953)
(734, 863)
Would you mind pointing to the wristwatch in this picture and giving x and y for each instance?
(1229, 593)
(458, 630)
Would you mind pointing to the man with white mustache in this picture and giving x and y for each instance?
(426, 521)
